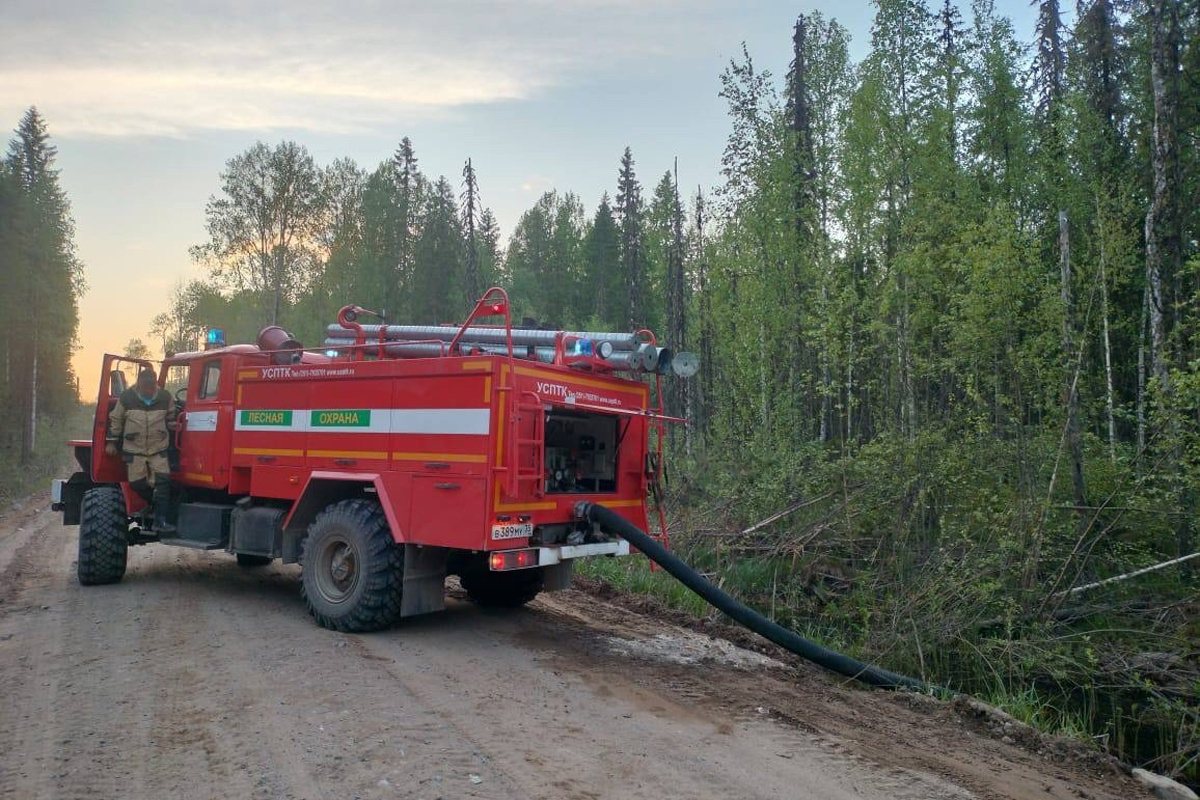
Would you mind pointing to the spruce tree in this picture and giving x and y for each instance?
(602, 266)
(45, 282)
(470, 222)
(629, 212)
(409, 196)
(439, 294)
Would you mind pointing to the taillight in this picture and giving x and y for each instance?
(513, 559)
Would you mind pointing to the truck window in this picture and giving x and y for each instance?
(210, 381)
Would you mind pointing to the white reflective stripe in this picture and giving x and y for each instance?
(553, 555)
(474, 421)
(464, 421)
(201, 420)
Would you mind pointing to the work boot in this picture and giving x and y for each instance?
(162, 505)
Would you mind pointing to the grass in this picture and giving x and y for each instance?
(634, 576)
(51, 457)
(1038, 711)
(1042, 711)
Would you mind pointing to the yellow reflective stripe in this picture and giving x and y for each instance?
(497, 506)
(348, 454)
(477, 365)
(464, 458)
(251, 451)
(195, 476)
(504, 400)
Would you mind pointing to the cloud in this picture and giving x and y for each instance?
(157, 69)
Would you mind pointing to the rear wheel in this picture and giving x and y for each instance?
(248, 560)
(103, 525)
(353, 571)
(502, 589)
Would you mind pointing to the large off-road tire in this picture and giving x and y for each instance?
(103, 525)
(249, 560)
(353, 571)
(502, 589)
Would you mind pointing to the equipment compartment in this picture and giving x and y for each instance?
(581, 452)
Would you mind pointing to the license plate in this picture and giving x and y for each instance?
(521, 531)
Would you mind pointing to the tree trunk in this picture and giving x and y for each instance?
(1162, 224)
(33, 398)
(1108, 371)
(707, 367)
(1164, 250)
(850, 385)
(676, 310)
(1071, 364)
(1141, 379)
(28, 403)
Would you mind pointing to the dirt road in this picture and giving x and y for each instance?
(195, 678)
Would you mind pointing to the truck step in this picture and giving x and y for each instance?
(195, 544)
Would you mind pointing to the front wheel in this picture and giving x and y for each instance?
(352, 569)
(502, 589)
(103, 525)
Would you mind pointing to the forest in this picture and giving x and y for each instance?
(945, 299)
(41, 281)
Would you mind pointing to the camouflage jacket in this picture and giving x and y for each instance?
(141, 429)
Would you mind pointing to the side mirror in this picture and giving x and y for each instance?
(116, 383)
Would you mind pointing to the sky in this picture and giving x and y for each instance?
(147, 99)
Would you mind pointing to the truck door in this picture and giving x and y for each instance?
(205, 425)
(118, 374)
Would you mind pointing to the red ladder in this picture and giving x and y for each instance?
(532, 469)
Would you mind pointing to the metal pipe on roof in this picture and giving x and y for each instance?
(484, 335)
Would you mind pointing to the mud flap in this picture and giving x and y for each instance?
(424, 580)
(557, 577)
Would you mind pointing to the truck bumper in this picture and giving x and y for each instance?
(555, 555)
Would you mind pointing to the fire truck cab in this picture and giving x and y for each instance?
(381, 473)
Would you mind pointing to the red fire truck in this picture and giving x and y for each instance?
(391, 458)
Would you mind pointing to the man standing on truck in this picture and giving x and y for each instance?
(139, 427)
